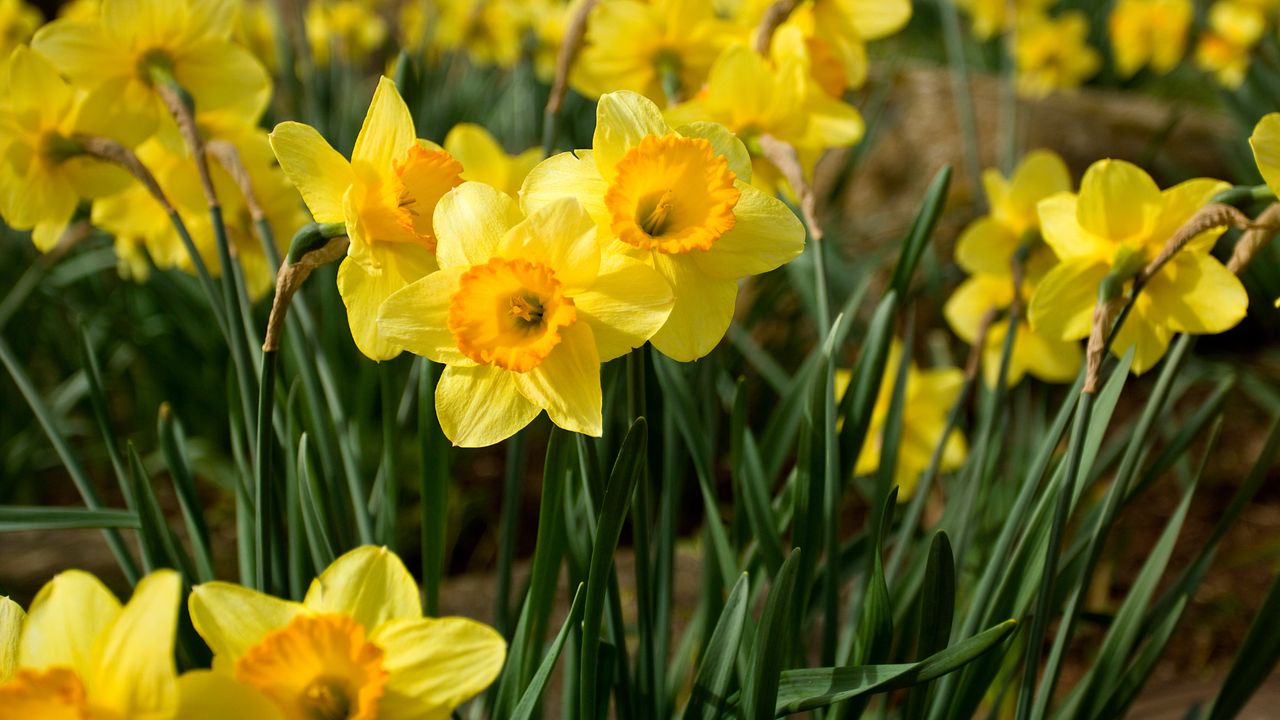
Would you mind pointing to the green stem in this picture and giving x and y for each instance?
(434, 502)
(263, 489)
(390, 501)
(510, 526)
(954, 39)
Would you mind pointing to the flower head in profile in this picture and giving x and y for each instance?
(135, 45)
(522, 313)
(1053, 54)
(484, 160)
(658, 49)
(928, 398)
(1118, 223)
(988, 248)
(43, 172)
(1149, 32)
(678, 200)
(357, 646)
(386, 195)
(80, 654)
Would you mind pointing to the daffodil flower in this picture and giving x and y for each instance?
(79, 654)
(1118, 223)
(522, 313)
(646, 47)
(357, 646)
(353, 29)
(43, 172)
(137, 43)
(484, 160)
(1053, 54)
(489, 32)
(1149, 32)
(992, 17)
(928, 398)
(837, 31)
(987, 249)
(386, 195)
(680, 201)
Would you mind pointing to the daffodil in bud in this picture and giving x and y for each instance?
(357, 646)
(1053, 54)
(386, 195)
(77, 653)
(928, 398)
(659, 49)
(1118, 223)
(1149, 32)
(522, 313)
(136, 45)
(680, 201)
(43, 171)
(484, 160)
(988, 248)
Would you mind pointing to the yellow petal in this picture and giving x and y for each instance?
(470, 221)
(223, 76)
(417, 318)
(766, 235)
(81, 51)
(1041, 173)
(623, 119)
(1118, 201)
(92, 178)
(134, 674)
(65, 621)
(1181, 202)
(364, 288)
(483, 159)
(232, 619)
(209, 695)
(12, 619)
(702, 311)
(1049, 360)
(1061, 229)
(142, 22)
(832, 122)
(1062, 306)
(387, 132)
(436, 664)
(993, 354)
(480, 406)
(986, 246)
(120, 108)
(724, 144)
(1197, 294)
(966, 307)
(37, 96)
(561, 236)
(40, 197)
(321, 175)
(571, 174)
(567, 383)
(371, 584)
(874, 19)
(1150, 338)
(1266, 149)
(626, 305)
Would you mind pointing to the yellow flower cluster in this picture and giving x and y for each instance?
(1235, 27)
(357, 646)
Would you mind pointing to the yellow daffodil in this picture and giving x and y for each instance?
(1149, 32)
(1117, 224)
(489, 32)
(138, 43)
(1227, 60)
(386, 195)
(1054, 54)
(43, 174)
(992, 17)
(18, 22)
(928, 398)
(484, 160)
(350, 28)
(658, 48)
(753, 96)
(679, 200)
(255, 29)
(78, 654)
(987, 249)
(357, 646)
(836, 33)
(138, 221)
(1225, 48)
(522, 313)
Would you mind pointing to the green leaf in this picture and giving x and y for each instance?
(1126, 689)
(752, 485)
(922, 228)
(173, 447)
(323, 550)
(937, 610)
(1254, 662)
(613, 512)
(812, 688)
(160, 548)
(529, 701)
(773, 643)
(19, 518)
(710, 685)
(860, 398)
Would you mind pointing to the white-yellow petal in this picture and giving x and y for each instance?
(370, 584)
